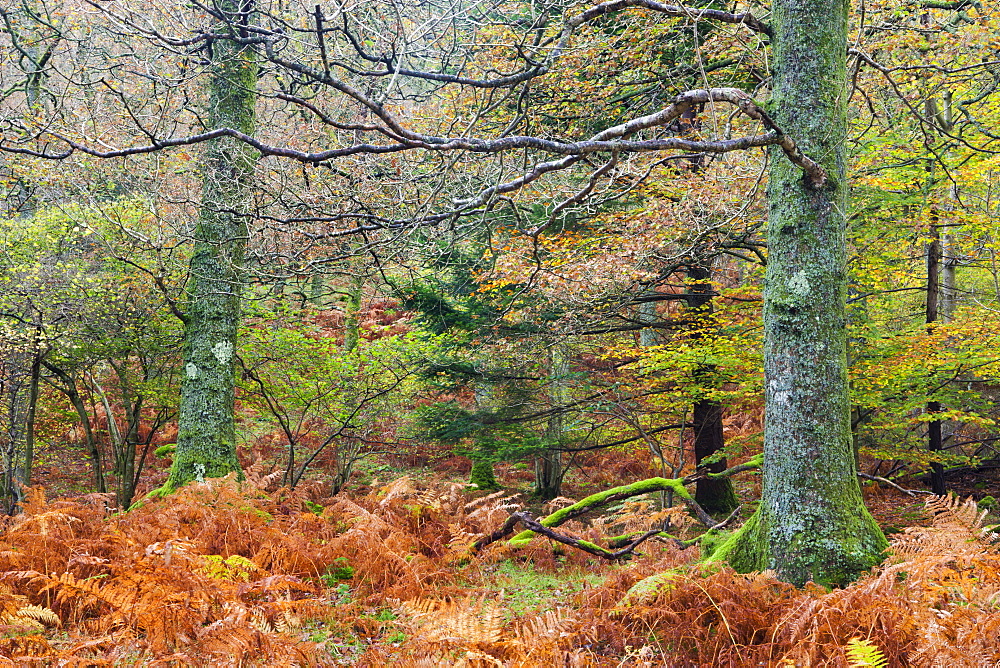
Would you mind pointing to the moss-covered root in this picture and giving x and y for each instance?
(603, 498)
(830, 556)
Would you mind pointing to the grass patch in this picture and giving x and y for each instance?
(527, 590)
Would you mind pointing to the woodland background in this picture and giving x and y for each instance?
(406, 379)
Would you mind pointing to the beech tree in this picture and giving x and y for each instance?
(812, 523)
(359, 81)
(206, 438)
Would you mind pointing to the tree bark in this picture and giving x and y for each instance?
(715, 495)
(934, 441)
(483, 451)
(72, 392)
(206, 440)
(549, 464)
(29, 429)
(939, 304)
(352, 311)
(811, 523)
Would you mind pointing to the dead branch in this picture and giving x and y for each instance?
(886, 481)
(626, 552)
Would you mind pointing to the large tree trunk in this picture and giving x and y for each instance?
(811, 523)
(206, 440)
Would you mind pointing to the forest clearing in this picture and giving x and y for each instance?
(501, 333)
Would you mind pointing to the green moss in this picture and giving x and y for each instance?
(742, 549)
(206, 440)
(599, 499)
(593, 546)
(755, 461)
(615, 542)
(647, 589)
(165, 450)
(827, 557)
(710, 541)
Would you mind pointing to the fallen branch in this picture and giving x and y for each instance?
(501, 533)
(706, 520)
(886, 481)
(604, 498)
(613, 495)
(751, 464)
(729, 520)
(534, 526)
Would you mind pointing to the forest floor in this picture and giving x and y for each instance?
(230, 573)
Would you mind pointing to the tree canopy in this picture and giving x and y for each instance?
(518, 237)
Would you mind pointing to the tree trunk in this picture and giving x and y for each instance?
(940, 281)
(29, 426)
(206, 439)
(352, 310)
(811, 523)
(70, 388)
(715, 495)
(484, 451)
(934, 441)
(73, 393)
(549, 464)
(949, 287)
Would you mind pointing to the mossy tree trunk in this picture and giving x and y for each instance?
(352, 313)
(206, 440)
(812, 523)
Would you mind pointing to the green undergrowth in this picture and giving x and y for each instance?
(527, 590)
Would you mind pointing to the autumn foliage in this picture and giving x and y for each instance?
(229, 573)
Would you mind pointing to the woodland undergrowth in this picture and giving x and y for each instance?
(238, 573)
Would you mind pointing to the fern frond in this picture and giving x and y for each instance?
(646, 590)
(865, 654)
(951, 510)
(550, 624)
(499, 499)
(398, 488)
(259, 622)
(233, 567)
(38, 613)
(473, 620)
(28, 646)
(474, 659)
